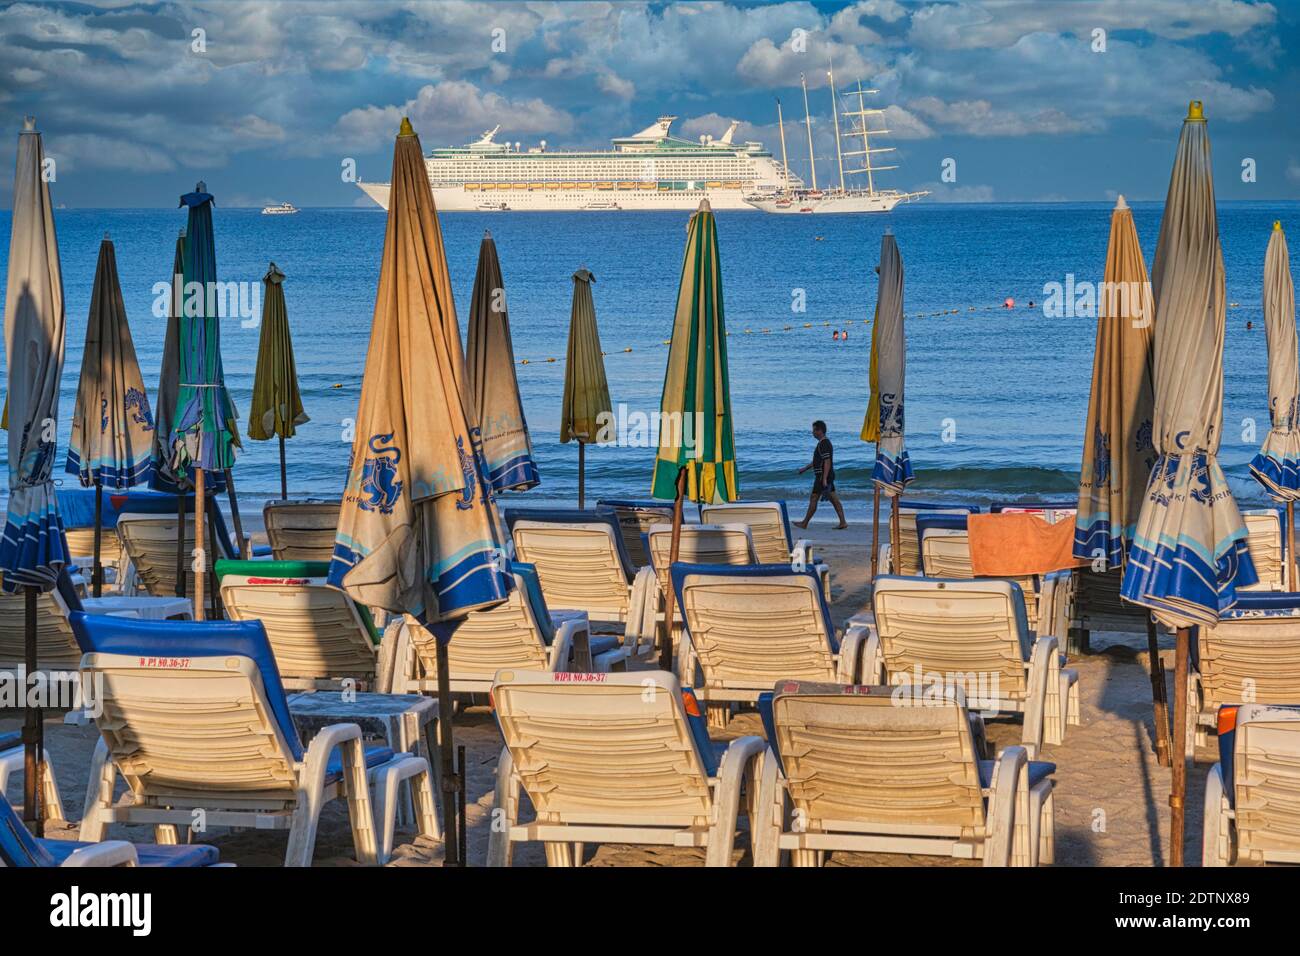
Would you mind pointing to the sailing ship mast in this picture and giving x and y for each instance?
(785, 163)
(835, 110)
(860, 129)
(807, 118)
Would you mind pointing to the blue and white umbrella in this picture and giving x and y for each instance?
(1277, 466)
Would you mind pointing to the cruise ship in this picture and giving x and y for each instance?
(652, 169)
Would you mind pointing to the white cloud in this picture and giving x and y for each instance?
(947, 192)
(1293, 170)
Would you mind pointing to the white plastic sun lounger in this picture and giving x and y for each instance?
(518, 633)
(12, 767)
(634, 519)
(582, 566)
(909, 554)
(322, 640)
(149, 542)
(1267, 546)
(1251, 656)
(1252, 796)
(748, 627)
(301, 530)
(771, 534)
(195, 719)
(973, 634)
(861, 771)
(613, 758)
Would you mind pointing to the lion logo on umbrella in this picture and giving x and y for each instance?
(380, 486)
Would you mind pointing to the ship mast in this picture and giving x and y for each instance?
(807, 118)
(835, 111)
(785, 163)
(861, 129)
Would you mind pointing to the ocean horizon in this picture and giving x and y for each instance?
(996, 397)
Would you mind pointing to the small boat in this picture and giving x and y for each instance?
(281, 209)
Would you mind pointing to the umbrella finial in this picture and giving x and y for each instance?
(1120, 203)
(889, 230)
(1195, 112)
(704, 206)
(487, 233)
(106, 236)
(29, 124)
(200, 187)
(406, 128)
(1277, 225)
(181, 235)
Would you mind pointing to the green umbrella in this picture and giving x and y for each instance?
(586, 392)
(277, 405)
(697, 453)
(204, 432)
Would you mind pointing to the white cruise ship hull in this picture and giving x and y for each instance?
(458, 199)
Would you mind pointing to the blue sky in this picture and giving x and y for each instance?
(1018, 93)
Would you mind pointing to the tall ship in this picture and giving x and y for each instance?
(794, 197)
(652, 169)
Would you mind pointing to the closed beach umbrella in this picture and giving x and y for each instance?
(112, 426)
(1188, 555)
(205, 431)
(586, 391)
(32, 550)
(697, 453)
(1118, 453)
(169, 377)
(1277, 466)
(277, 405)
(418, 532)
(884, 422)
(490, 367)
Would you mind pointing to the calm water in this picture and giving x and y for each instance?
(1013, 383)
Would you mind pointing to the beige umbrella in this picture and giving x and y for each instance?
(33, 550)
(892, 471)
(418, 532)
(490, 370)
(1277, 466)
(1117, 451)
(1189, 556)
(587, 407)
(112, 426)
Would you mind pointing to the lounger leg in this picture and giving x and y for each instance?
(1010, 774)
(717, 714)
(505, 812)
(99, 794)
(558, 854)
(1216, 833)
(388, 794)
(361, 813)
(726, 798)
(166, 834)
(51, 802)
(766, 813)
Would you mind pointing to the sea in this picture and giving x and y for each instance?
(996, 396)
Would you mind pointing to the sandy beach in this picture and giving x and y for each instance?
(1111, 794)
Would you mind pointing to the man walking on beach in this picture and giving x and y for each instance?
(823, 466)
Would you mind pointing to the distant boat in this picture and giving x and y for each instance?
(282, 209)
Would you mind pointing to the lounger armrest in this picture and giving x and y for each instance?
(326, 741)
(108, 853)
(872, 668)
(1010, 783)
(740, 762)
(883, 557)
(571, 637)
(1044, 669)
(643, 611)
(801, 555)
(852, 645)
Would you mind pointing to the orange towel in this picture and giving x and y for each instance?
(1010, 545)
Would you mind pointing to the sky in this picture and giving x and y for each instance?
(270, 100)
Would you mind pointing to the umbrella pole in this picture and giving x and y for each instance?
(450, 782)
(1159, 694)
(97, 572)
(284, 475)
(33, 742)
(200, 505)
(1290, 545)
(582, 475)
(895, 562)
(1178, 757)
(180, 540)
(666, 648)
(234, 515)
(875, 530)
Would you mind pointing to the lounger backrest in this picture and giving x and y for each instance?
(149, 541)
(18, 848)
(81, 542)
(316, 632)
(854, 759)
(1254, 653)
(768, 523)
(945, 553)
(968, 631)
(1266, 779)
(578, 563)
(508, 635)
(1267, 548)
(56, 647)
(756, 625)
(603, 748)
(1098, 606)
(909, 547)
(301, 530)
(698, 544)
(192, 711)
(635, 518)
